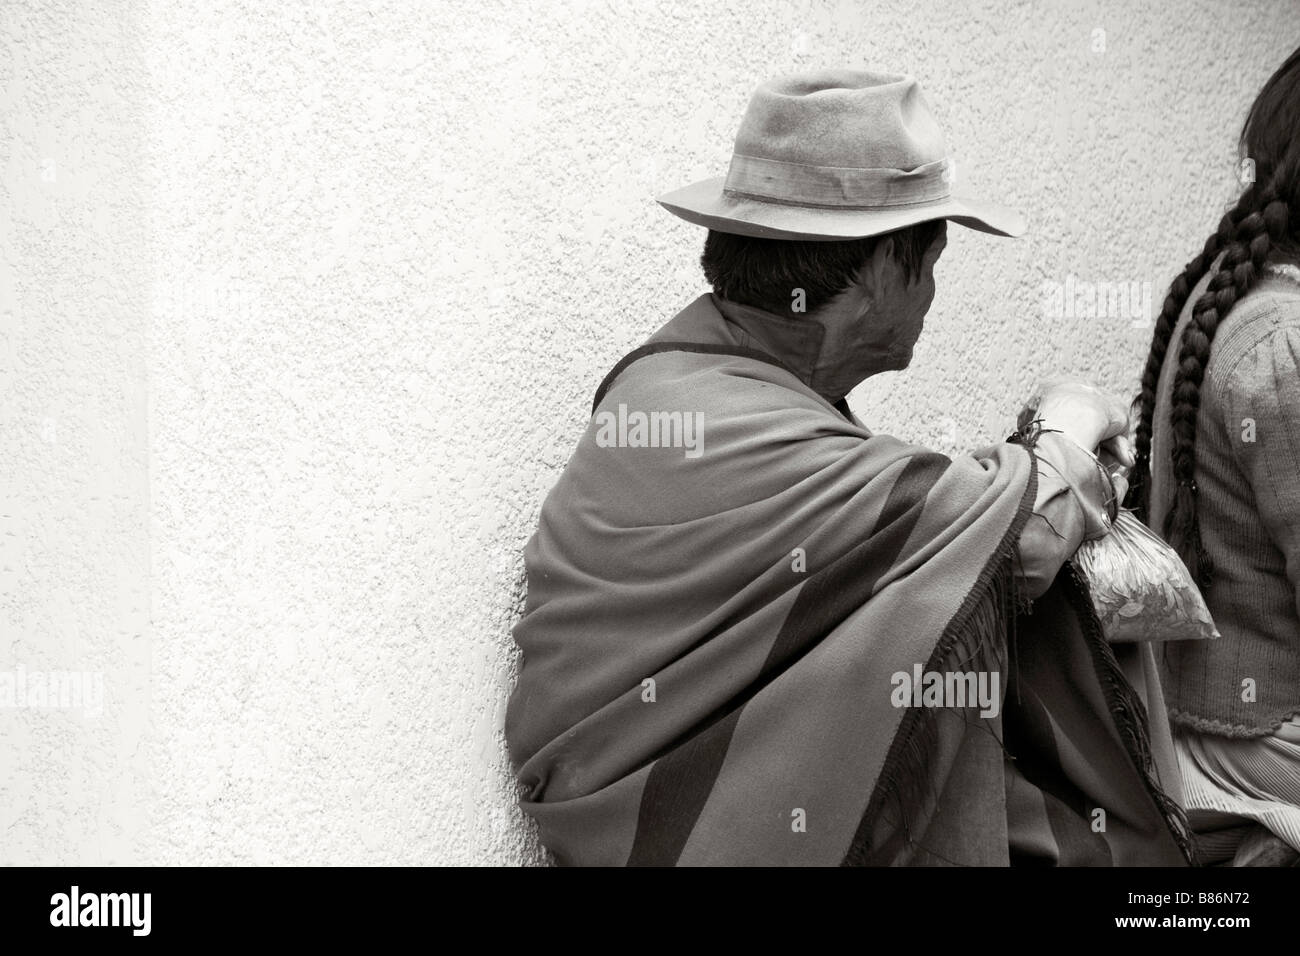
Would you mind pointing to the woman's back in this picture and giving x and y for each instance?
(1248, 501)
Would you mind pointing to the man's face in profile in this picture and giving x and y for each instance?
(916, 299)
(891, 327)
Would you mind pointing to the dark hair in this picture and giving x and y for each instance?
(766, 272)
(1265, 218)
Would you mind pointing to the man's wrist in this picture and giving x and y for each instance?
(1088, 477)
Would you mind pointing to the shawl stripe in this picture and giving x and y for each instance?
(841, 588)
(675, 792)
(680, 782)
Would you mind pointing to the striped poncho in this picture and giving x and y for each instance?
(757, 634)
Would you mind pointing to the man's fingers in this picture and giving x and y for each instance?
(1120, 448)
(1116, 418)
(1121, 486)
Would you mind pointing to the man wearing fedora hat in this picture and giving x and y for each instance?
(758, 640)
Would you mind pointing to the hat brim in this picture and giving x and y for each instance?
(705, 204)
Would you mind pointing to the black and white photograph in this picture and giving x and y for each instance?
(616, 433)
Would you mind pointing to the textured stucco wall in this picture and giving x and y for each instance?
(74, 489)
(366, 262)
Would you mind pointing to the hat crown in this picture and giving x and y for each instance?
(836, 154)
(846, 118)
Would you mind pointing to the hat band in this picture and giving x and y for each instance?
(843, 187)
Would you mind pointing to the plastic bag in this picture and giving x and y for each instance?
(1141, 590)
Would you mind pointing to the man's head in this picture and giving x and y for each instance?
(820, 160)
(872, 294)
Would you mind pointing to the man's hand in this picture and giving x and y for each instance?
(1089, 417)
(1092, 419)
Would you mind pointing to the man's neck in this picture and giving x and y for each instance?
(820, 347)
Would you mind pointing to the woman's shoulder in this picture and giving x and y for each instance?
(1266, 320)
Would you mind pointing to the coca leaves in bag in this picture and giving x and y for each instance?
(1140, 588)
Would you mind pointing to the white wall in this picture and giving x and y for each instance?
(75, 580)
(302, 331)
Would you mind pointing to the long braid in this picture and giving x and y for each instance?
(1243, 259)
(1265, 221)
(1139, 493)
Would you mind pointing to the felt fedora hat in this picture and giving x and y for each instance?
(836, 154)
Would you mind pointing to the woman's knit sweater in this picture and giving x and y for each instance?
(1248, 474)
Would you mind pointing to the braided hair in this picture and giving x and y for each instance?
(1265, 218)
